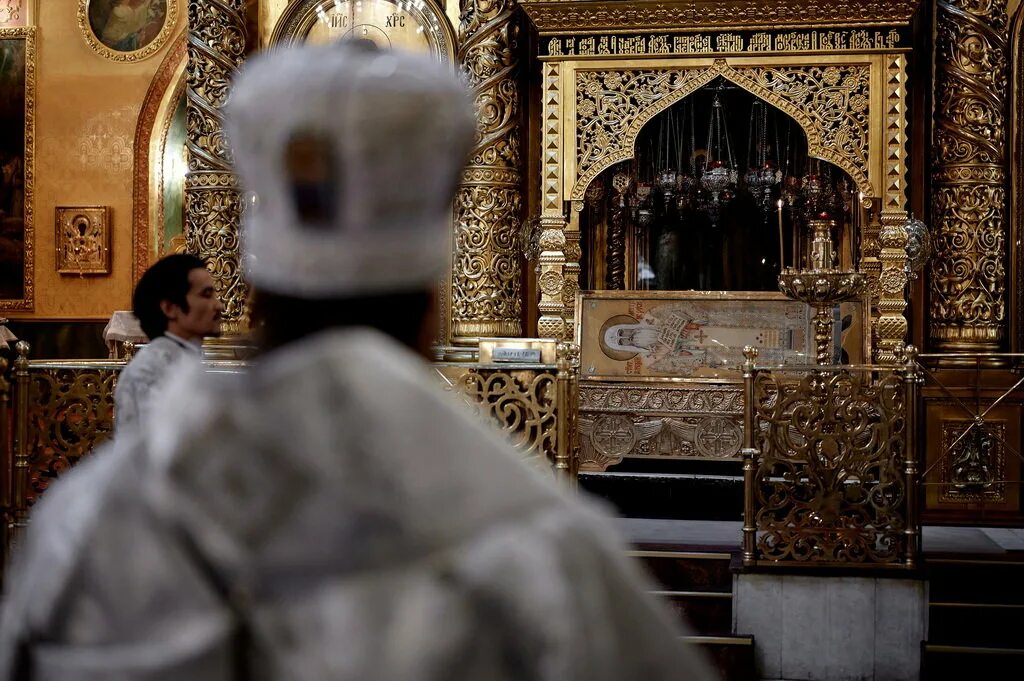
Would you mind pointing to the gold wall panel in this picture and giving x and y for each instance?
(87, 109)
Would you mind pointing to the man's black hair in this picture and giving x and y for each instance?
(167, 280)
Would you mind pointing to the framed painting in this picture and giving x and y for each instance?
(17, 131)
(628, 335)
(127, 30)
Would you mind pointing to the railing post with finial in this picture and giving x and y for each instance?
(19, 519)
(912, 379)
(749, 454)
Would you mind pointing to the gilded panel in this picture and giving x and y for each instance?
(830, 102)
(522, 403)
(620, 420)
(563, 16)
(829, 483)
(70, 412)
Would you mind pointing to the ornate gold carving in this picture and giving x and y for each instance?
(968, 274)
(576, 16)
(27, 301)
(650, 399)
(71, 411)
(1017, 177)
(974, 467)
(607, 438)
(486, 297)
(148, 50)
(829, 102)
(891, 325)
(551, 187)
(216, 47)
(831, 467)
(522, 403)
(83, 240)
(613, 105)
(147, 182)
(551, 278)
(895, 133)
(650, 420)
(615, 276)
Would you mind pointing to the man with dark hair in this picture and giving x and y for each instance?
(331, 514)
(176, 304)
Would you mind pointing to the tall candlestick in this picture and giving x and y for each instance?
(782, 252)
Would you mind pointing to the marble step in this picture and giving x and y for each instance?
(731, 656)
(706, 613)
(960, 663)
(976, 581)
(979, 625)
(685, 571)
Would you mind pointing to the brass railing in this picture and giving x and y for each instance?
(62, 410)
(534, 405)
(830, 465)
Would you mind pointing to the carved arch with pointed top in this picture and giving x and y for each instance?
(846, 87)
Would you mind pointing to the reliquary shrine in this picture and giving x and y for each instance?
(746, 260)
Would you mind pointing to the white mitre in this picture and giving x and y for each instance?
(391, 128)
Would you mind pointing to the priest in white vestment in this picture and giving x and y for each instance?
(330, 514)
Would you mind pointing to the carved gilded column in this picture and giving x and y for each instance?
(487, 269)
(216, 47)
(558, 265)
(968, 271)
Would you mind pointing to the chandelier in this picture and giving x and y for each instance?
(720, 172)
(762, 174)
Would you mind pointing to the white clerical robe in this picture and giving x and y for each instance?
(144, 374)
(327, 515)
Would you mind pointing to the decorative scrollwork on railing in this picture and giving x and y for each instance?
(70, 412)
(522, 403)
(830, 473)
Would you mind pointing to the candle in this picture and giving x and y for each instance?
(782, 256)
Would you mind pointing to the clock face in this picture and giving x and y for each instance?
(413, 25)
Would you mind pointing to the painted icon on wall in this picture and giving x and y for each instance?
(127, 30)
(16, 90)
